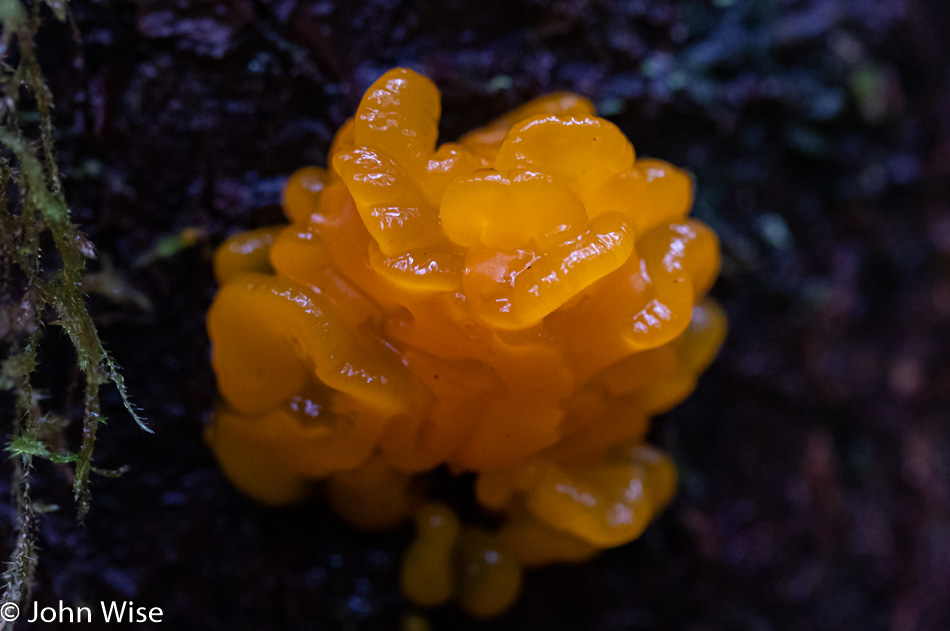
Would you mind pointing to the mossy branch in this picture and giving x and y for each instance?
(32, 202)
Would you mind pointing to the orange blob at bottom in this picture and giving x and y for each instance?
(515, 305)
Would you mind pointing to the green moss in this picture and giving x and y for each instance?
(36, 292)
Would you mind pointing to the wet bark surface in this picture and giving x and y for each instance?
(815, 454)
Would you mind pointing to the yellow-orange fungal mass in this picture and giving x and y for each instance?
(515, 305)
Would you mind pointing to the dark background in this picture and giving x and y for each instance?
(815, 454)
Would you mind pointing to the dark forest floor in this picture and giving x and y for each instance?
(815, 454)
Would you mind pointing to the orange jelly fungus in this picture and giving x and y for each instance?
(514, 305)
